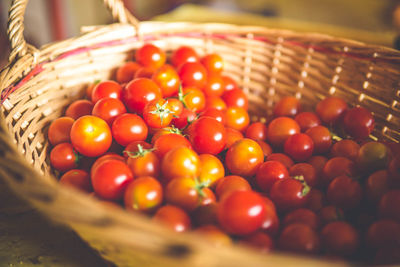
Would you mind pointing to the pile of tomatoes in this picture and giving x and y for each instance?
(174, 141)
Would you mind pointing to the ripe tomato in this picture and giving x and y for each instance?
(139, 92)
(267, 149)
(91, 136)
(135, 147)
(104, 158)
(126, 72)
(173, 217)
(110, 179)
(213, 63)
(167, 142)
(176, 106)
(229, 83)
(214, 235)
(298, 237)
(182, 55)
(299, 146)
(307, 120)
(143, 162)
(193, 74)
(271, 220)
(330, 214)
(212, 169)
(236, 98)
(339, 238)
(78, 179)
(307, 171)
(256, 131)
(383, 233)
(127, 128)
(318, 162)
(150, 55)
(304, 216)
(193, 99)
(214, 85)
(377, 185)
(59, 130)
(337, 166)
(280, 129)
(217, 114)
(316, 200)
(158, 113)
(237, 118)
(358, 122)
(108, 109)
(321, 137)
(288, 106)
(79, 108)
(215, 102)
(345, 148)
(289, 194)
(282, 158)
(259, 241)
(144, 72)
(232, 136)
(143, 194)
(268, 173)
(207, 135)
(331, 109)
(106, 89)
(63, 157)
(167, 79)
(244, 157)
(182, 120)
(229, 184)
(180, 162)
(90, 88)
(241, 212)
(389, 205)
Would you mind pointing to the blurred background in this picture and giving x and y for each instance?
(371, 21)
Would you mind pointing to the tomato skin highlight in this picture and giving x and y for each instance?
(128, 127)
(138, 93)
(143, 194)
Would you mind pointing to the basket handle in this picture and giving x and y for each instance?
(15, 26)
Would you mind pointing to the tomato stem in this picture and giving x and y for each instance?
(140, 153)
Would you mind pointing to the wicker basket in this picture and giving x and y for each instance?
(37, 85)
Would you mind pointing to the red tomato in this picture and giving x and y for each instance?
(90, 88)
(207, 135)
(318, 162)
(150, 55)
(182, 55)
(244, 157)
(237, 118)
(106, 157)
(143, 194)
(304, 216)
(215, 102)
(167, 79)
(91, 136)
(78, 179)
(268, 173)
(167, 142)
(217, 114)
(173, 217)
(389, 205)
(330, 214)
(256, 131)
(280, 129)
(289, 194)
(337, 166)
(229, 184)
(339, 238)
(214, 85)
(213, 63)
(377, 185)
(182, 120)
(321, 137)
(358, 122)
(345, 148)
(158, 113)
(241, 212)
(212, 169)
(307, 171)
(139, 92)
(79, 108)
(298, 237)
(259, 241)
(143, 162)
(59, 130)
(287, 106)
(229, 83)
(135, 147)
(193, 99)
(106, 89)
(176, 106)
(127, 128)
(193, 74)
(282, 158)
(236, 98)
(383, 233)
(267, 149)
(271, 220)
(144, 72)
(316, 200)
(126, 72)
(299, 146)
(232, 136)
(307, 120)
(108, 109)
(63, 157)
(331, 109)
(110, 179)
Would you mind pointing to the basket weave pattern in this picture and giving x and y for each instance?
(37, 85)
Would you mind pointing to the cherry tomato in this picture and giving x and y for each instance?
(182, 120)
(383, 233)
(182, 55)
(377, 185)
(344, 192)
(91, 136)
(110, 179)
(127, 128)
(268, 173)
(212, 169)
(143, 194)
(167, 79)
(217, 114)
(78, 179)
(180, 162)
(236, 98)
(63, 157)
(339, 238)
(358, 122)
(194, 99)
(176, 106)
(237, 118)
(90, 88)
(232, 136)
(331, 109)
(307, 120)
(126, 72)
(167, 142)
(282, 158)
(267, 149)
(173, 217)
(79, 108)
(135, 147)
(59, 130)
(321, 137)
(330, 214)
(145, 72)
(256, 131)
(213, 63)
(193, 74)
(108, 109)
(259, 241)
(289, 194)
(214, 85)
(139, 92)
(229, 184)
(337, 166)
(280, 129)
(298, 237)
(106, 89)
(299, 146)
(229, 83)
(158, 113)
(241, 212)
(214, 235)
(106, 157)
(307, 171)
(389, 205)
(372, 156)
(287, 106)
(271, 221)
(150, 55)
(318, 162)
(316, 200)
(143, 162)
(215, 102)
(207, 135)
(345, 148)
(244, 157)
